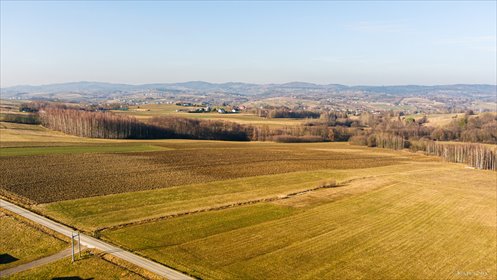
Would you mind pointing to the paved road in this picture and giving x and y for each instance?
(55, 257)
(91, 242)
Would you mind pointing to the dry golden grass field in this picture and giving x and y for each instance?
(24, 242)
(147, 111)
(234, 210)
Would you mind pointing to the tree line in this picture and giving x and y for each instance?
(316, 131)
(113, 126)
(477, 155)
(275, 113)
(482, 129)
(20, 118)
(99, 124)
(386, 131)
(202, 129)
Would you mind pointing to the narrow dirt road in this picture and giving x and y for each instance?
(39, 262)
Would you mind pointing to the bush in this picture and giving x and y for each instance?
(20, 118)
(361, 140)
(328, 184)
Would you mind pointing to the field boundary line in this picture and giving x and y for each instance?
(220, 207)
(243, 203)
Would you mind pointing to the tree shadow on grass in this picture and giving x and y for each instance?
(6, 258)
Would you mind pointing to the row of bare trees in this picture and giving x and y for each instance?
(481, 156)
(203, 129)
(99, 124)
(300, 133)
(380, 140)
(113, 126)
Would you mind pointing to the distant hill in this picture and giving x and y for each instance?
(77, 91)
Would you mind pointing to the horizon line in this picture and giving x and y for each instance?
(239, 82)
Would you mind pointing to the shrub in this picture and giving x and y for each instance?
(20, 118)
(331, 183)
(361, 140)
(297, 139)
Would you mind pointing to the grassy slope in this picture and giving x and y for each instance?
(24, 242)
(421, 224)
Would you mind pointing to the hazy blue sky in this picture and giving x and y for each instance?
(264, 42)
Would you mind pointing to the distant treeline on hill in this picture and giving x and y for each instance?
(287, 113)
(388, 131)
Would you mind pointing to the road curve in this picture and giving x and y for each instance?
(91, 242)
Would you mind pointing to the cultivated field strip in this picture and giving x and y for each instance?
(112, 210)
(51, 178)
(415, 224)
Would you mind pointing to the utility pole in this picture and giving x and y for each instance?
(79, 245)
(72, 246)
(73, 236)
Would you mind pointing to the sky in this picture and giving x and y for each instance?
(351, 43)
